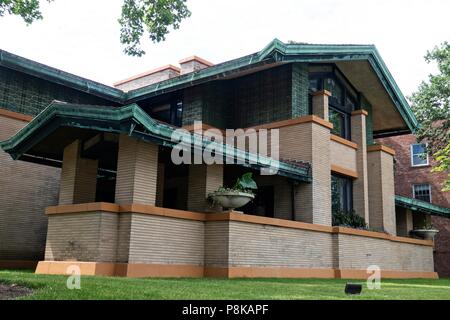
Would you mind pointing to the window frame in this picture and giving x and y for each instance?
(348, 205)
(347, 91)
(411, 154)
(421, 184)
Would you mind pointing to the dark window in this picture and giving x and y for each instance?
(342, 101)
(340, 121)
(422, 192)
(341, 194)
(171, 113)
(337, 93)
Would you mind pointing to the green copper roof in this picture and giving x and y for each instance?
(278, 51)
(39, 70)
(422, 206)
(134, 121)
(274, 52)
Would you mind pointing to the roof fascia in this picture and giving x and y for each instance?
(125, 120)
(417, 205)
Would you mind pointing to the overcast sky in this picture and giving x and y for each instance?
(82, 36)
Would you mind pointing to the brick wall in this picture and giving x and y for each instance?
(357, 252)
(164, 240)
(442, 246)
(406, 176)
(27, 189)
(82, 237)
(275, 94)
(263, 97)
(343, 156)
(169, 240)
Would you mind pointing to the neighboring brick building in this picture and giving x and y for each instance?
(125, 208)
(413, 179)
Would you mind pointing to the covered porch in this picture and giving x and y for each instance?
(126, 210)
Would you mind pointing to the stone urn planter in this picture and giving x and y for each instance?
(231, 199)
(237, 196)
(427, 234)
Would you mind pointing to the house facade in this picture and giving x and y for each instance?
(123, 207)
(414, 180)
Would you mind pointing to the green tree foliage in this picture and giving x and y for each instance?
(153, 16)
(431, 105)
(27, 9)
(139, 17)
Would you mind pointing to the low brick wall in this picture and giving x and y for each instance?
(139, 240)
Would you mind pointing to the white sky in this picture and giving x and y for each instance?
(82, 36)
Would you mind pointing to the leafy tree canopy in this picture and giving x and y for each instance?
(154, 17)
(431, 105)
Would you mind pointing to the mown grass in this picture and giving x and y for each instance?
(104, 288)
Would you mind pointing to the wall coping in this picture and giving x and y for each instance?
(291, 122)
(227, 216)
(343, 141)
(196, 58)
(380, 147)
(360, 112)
(344, 171)
(15, 115)
(147, 73)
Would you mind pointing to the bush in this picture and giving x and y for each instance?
(348, 219)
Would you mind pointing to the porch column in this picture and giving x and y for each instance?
(380, 168)
(320, 104)
(137, 168)
(360, 185)
(310, 141)
(203, 179)
(404, 222)
(78, 176)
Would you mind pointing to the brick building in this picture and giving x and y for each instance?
(121, 206)
(414, 179)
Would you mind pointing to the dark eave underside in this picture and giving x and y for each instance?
(131, 120)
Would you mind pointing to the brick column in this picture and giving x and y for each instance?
(78, 176)
(380, 168)
(310, 141)
(404, 222)
(360, 185)
(137, 168)
(203, 179)
(320, 104)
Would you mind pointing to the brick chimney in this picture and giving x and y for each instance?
(193, 64)
(148, 78)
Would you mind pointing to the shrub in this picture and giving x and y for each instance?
(348, 219)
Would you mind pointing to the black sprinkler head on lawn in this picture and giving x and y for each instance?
(353, 288)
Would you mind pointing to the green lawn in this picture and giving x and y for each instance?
(54, 287)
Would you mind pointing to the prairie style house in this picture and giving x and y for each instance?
(99, 158)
